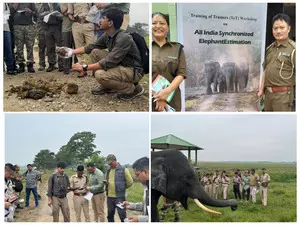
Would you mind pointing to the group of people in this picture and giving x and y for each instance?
(110, 187)
(95, 29)
(278, 80)
(14, 186)
(244, 186)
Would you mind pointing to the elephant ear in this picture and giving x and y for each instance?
(158, 178)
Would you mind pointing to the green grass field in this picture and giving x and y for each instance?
(281, 197)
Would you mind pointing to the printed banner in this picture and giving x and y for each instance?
(224, 47)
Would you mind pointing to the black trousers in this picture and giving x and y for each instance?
(236, 191)
(111, 208)
(247, 193)
(53, 37)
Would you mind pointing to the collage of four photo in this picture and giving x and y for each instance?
(149, 112)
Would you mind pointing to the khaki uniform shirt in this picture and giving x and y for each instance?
(80, 183)
(79, 9)
(225, 180)
(216, 180)
(165, 62)
(264, 179)
(278, 65)
(254, 179)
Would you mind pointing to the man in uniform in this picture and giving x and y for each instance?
(41, 9)
(24, 33)
(225, 182)
(216, 181)
(120, 69)
(58, 185)
(78, 184)
(118, 179)
(170, 204)
(278, 82)
(97, 188)
(67, 36)
(254, 183)
(82, 29)
(264, 183)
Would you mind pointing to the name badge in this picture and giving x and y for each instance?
(172, 57)
(284, 54)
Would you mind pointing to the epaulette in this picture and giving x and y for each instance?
(176, 43)
(292, 43)
(73, 176)
(271, 45)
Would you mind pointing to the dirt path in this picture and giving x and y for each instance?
(225, 102)
(44, 212)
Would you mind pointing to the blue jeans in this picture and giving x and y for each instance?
(8, 55)
(111, 208)
(35, 194)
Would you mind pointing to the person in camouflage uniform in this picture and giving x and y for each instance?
(170, 204)
(42, 8)
(24, 33)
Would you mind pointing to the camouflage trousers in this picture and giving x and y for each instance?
(24, 35)
(176, 209)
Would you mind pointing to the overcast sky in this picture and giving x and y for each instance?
(139, 12)
(233, 137)
(124, 134)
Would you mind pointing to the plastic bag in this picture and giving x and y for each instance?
(64, 52)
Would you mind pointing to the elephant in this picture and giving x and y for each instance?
(229, 70)
(172, 176)
(242, 75)
(221, 83)
(212, 70)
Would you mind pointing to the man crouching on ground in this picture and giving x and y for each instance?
(120, 69)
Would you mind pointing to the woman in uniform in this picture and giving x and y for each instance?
(168, 60)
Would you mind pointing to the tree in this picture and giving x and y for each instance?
(45, 160)
(140, 28)
(79, 148)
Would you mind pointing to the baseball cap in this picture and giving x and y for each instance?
(110, 158)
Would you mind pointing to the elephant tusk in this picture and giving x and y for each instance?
(205, 208)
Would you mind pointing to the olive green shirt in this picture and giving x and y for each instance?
(165, 62)
(279, 63)
(96, 181)
(67, 22)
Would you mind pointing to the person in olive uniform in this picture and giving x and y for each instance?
(278, 82)
(168, 60)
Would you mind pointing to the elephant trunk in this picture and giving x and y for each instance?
(205, 199)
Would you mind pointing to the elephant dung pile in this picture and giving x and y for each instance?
(37, 89)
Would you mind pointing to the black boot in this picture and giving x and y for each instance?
(30, 68)
(50, 68)
(21, 68)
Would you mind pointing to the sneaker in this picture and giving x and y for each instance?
(100, 90)
(139, 90)
(82, 74)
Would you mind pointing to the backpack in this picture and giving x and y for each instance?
(18, 186)
(143, 49)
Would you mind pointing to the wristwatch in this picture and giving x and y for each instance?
(85, 67)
